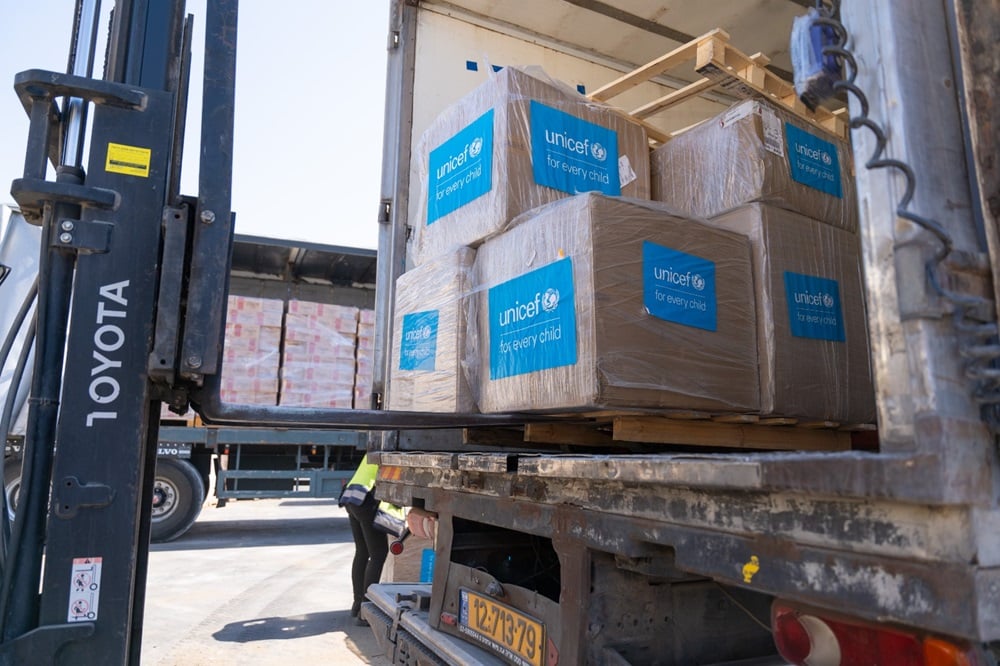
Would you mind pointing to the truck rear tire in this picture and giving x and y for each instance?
(178, 494)
(11, 484)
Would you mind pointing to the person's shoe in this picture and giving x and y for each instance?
(361, 622)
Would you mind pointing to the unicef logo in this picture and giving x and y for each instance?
(550, 299)
(599, 152)
(826, 158)
(426, 332)
(698, 282)
(476, 147)
(828, 300)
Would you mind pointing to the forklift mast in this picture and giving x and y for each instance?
(115, 239)
(133, 280)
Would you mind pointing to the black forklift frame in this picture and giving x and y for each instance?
(133, 279)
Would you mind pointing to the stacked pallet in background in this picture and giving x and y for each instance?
(319, 359)
(252, 351)
(365, 373)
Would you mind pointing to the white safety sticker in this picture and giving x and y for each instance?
(85, 589)
(625, 172)
(774, 138)
(739, 112)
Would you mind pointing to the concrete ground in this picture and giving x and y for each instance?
(256, 582)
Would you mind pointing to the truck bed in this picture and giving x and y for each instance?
(911, 552)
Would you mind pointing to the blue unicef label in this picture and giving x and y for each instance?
(419, 341)
(533, 321)
(814, 307)
(461, 168)
(573, 155)
(679, 287)
(813, 161)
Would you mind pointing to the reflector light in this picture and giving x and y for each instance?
(807, 638)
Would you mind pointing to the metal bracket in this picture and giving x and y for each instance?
(163, 358)
(38, 83)
(404, 603)
(70, 496)
(86, 237)
(41, 645)
(32, 194)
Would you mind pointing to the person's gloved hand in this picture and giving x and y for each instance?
(422, 524)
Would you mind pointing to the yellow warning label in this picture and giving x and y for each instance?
(129, 160)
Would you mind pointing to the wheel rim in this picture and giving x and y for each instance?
(13, 491)
(164, 498)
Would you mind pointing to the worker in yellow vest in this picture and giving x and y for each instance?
(370, 521)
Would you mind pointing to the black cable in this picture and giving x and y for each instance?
(978, 338)
(7, 414)
(5, 421)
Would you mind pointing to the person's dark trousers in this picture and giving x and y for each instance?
(371, 547)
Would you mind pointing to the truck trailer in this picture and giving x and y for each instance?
(694, 538)
(596, 504)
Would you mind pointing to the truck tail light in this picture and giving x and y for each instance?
(808, 638)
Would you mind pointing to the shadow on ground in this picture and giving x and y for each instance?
(283, 628)
(209, 534)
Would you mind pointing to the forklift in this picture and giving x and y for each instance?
(130, 313)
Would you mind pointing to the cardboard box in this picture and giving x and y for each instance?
(596, 302)
(252, 304)
(757, 151)
(428, 340)
(318, 395)
(519, 140)
(252, 350)
(811, 326)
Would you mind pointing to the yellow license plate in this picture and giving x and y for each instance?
(513, 635)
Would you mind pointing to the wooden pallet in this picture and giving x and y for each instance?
(721, 67)
(692, 428)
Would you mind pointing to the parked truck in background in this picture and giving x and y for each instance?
(557, 545)
(195, 461)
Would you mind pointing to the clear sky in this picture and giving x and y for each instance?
(310, 88)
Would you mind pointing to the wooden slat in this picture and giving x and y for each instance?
(687, 92)
(736, 418)
(777, 421)
(654, 133)
(664, 63)
(722, 66)
(819, 425)
(742, 75)
(565, 433)
(651, 429)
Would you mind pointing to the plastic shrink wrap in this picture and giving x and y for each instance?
(429, 336)
(811, 323)
(365, 374)
(757, 151)
(595, 302)
(318, 361)
(519, 140)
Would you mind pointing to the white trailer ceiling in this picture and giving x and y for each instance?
(637, 31)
